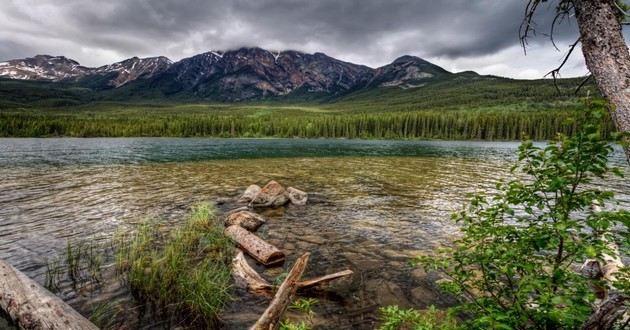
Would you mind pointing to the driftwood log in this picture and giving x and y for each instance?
(324, 279)
(242, 271)
(612, 305)
(33, 307)
(270, 319)
(256, 247)
(258, 285)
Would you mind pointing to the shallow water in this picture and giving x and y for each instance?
(373, 204)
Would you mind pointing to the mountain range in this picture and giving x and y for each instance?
(234, 75)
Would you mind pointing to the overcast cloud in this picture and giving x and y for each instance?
(480, 35)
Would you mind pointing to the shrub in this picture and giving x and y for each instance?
(515, 267)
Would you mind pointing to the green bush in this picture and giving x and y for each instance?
(515, 267)
(395, 318)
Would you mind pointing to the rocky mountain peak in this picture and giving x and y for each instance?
(232, 75)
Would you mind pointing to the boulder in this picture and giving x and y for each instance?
(250, 193)
(248, 220)
(296, 196)
(272, 194)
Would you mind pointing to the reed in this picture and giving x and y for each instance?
(186, 274)
(53, 275)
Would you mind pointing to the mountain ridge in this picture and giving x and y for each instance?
(247, 73)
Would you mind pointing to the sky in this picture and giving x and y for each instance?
(459, 35)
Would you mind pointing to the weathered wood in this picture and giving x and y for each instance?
(611, 306)
(246, 219)
(256, 247)
(607, 57)
(324, 279)
(272, 194)
(270, 319)
(242, 271)
(609, 312)
(31, 306)
(245, 274)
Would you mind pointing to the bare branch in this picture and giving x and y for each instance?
(526, 27)
(563, 10)
(555, 73)
(583, 82)
(621, 9)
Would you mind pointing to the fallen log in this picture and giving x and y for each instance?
(260, 250)
(270, 319)
(324, 279)
(33, 307)
(611, 306)
(254, 282)
(258, 285)
(608, 313)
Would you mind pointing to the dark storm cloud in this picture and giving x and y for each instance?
(371, 32)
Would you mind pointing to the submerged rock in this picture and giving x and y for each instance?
(248, 220)
(272, 194)
(250, 193)
(296, 196)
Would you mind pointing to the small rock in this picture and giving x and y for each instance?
(272, 194)
(388, 293)
(422, 295)
(223, 200)
(250, 193)
(248, 220)
(296, 196)
(419, 274)
(313, 239)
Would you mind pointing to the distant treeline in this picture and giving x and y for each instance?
(482, 125)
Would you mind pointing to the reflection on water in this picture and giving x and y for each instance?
(374, 203)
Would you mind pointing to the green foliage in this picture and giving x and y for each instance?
(487, 108)
(53, 275)
(187, 273)
(515, 265)
(488, 124)
(304, 305)
(288, 325)
(106, 315)
(395, 318)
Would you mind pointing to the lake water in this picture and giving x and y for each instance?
(373, 205)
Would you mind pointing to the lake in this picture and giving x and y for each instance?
(373, 204)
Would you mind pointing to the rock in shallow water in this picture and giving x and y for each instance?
(248, 220)
(272, 194)
(296, 196)
(250, 193)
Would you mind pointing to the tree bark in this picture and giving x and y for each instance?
(324, 279)
(255, 246)
(270, 319)
(33, 307)
(245, 274)
(607, 56)
(607, 314)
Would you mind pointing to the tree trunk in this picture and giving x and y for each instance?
(270, 319)
(607, 56)
(33, 307)
(255, 246)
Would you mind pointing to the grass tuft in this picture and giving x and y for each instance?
(186, 273)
